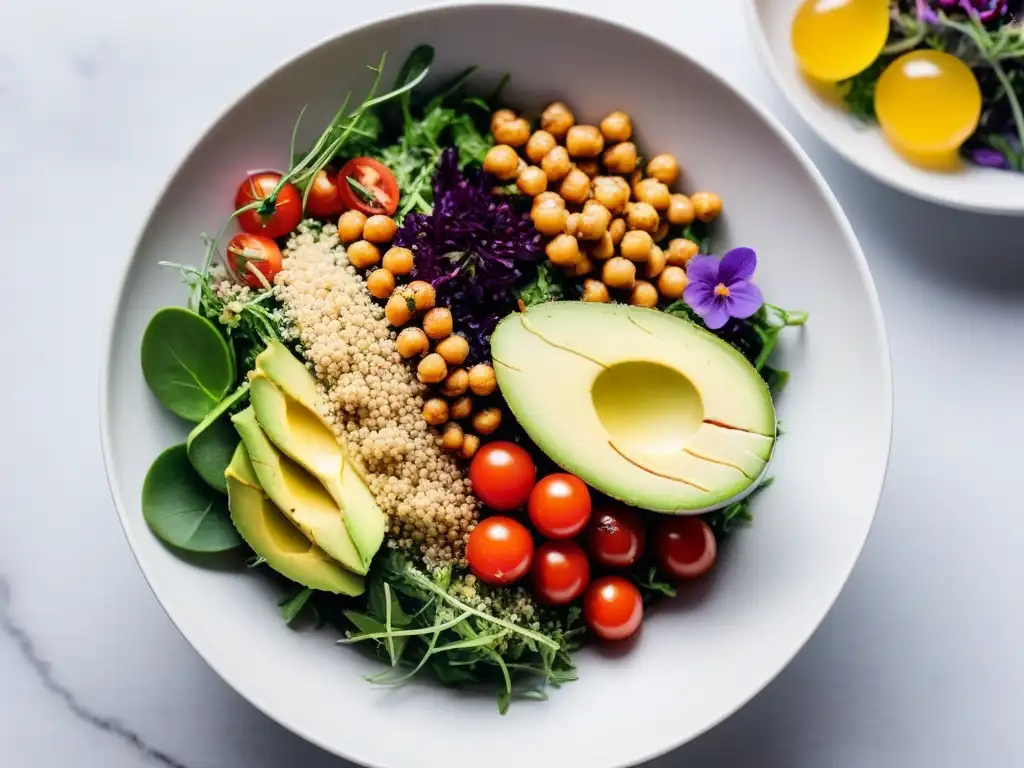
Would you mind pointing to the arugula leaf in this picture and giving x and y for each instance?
(548, 285)
(291, 607)
(653, 585)
(468, 139)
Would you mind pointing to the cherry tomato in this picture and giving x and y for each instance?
(373, 177)
(616, 536)
(500, 550)
(275, 218)
(324, 199)
(502, 474)
(685, 547)
(560, 506)
(248, 252)
(561, 572)
(613, 608)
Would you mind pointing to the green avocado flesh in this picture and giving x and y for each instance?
(288, 406)
(645, 407)
(275, 539)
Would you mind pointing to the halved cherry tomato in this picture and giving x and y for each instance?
(499, 550)
(324, 199)
(376, 179)
(273, 218)
(685, 547)
(613, 608)
(616, 536)
(502, 474)
(561, 572)
(560, 506)
(248, 254)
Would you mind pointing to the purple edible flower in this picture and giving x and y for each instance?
(722, 289)
(990, 158)
(985, 10)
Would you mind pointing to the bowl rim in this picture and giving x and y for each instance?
(1007, 206)
(266, 707)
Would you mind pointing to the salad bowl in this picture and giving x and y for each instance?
(700, 657)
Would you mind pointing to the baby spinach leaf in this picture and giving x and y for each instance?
(186, 362)
(182, 509)
(213, 441)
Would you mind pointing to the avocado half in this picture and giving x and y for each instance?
(645, 407)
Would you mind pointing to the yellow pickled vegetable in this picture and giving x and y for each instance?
(836, 39)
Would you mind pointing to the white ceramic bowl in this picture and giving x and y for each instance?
(983, 190)
(700, 657)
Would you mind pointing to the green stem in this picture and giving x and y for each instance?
(408, 632)
(1015, 108)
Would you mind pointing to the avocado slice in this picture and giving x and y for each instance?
(301, 433)
(646, 407)
(273, 537)
(289, 374)
(299, 495)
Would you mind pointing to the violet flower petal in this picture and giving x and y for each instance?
(717, 315)
(744, 300)
(699, 296)
(990, 158)
(737, 264)
(703, 269)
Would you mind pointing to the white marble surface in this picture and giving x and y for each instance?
(920, 662)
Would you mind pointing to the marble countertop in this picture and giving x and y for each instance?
(920, 662)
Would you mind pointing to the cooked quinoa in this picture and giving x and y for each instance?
(374, 401)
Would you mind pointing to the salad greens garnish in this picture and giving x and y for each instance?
(213, 441)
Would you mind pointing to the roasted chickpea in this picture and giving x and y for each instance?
(642, 216)
(621, 158)
(432, 369)
(664, 168)
(573, 224)
(654, 192)
(603, 249)
(707, 206)
(532, 181)
(380, 283)
(398, 261)
(454, 350)
(557, 119)
(350, 226)
(672, 282)
(636, 245)
(584, 141)
(594, 221)
(590, 167)
(680, 251)
(548, 199)
(452, 437)
(617, 127)
(400, 308)
(595, 291)
(563, 251)
(456, 383)
(482, 380)
(437, 323)
(575, 187)
(549, 219)
(540, 143)
(556, 164)
(462, 408)
(502, 116)
(619, 273)
(515, 132)
(585, 267)
(611, 194)
(470, 445)
(502, 161)
(662, 231)
(680, 211)
(380, 229)
(363, 254)
(412, 342)
(655, 263)
(617, 229)
(487, 420)
(644, 295)
(423, 294)
(435, 411)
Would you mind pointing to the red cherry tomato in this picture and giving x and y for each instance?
(500, 550)
(272, 218)
(248, 254)
(613, 608)
(376, 179)
(502, 474)
(561, 572)
(685, 547)
(324, 199)
(560, 506)
(616, 536)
